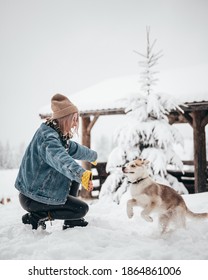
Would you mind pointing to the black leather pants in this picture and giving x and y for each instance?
(73, 209)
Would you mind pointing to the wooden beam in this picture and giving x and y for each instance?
(102, 112)
(200, 165)
(91, 124)
(205, 119)
(189, 118)
(86, 141)
(87, 125)
(195, 106)
(86, 136)
(176, 117)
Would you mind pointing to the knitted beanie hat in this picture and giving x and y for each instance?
(62, 106)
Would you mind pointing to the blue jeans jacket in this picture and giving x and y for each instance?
(47, 169)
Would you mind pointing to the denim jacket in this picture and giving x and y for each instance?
(47, 168)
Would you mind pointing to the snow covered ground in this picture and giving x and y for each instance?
(110, 235)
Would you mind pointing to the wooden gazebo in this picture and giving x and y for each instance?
(194, 113)
(189, 85)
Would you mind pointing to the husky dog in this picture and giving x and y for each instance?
(152, 196)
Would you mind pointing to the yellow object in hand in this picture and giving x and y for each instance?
(94, 163)
(86, 177)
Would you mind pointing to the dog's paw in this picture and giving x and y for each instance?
(147, 218)
(130, 213)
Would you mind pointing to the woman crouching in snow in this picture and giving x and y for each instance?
(49, 177)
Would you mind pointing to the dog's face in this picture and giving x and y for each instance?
(136, 169)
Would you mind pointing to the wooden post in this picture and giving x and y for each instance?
(200, 170)
(87, 125)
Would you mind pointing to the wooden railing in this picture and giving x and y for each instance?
(99, 177)
(188, 177)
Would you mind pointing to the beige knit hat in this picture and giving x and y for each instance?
(62, 106)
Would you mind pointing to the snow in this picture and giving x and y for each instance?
(185, 84)
(110, 235)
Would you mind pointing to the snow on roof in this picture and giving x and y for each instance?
(185, 84)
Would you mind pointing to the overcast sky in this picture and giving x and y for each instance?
(50, 46)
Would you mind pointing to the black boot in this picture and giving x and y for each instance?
(74, 223)
(35, 220)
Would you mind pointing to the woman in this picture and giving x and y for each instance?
(49, 177)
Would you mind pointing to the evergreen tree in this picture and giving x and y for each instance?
(146, 132)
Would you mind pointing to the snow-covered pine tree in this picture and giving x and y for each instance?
(146, 133)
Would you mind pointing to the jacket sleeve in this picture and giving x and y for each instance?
(81, 152)
(55, 155)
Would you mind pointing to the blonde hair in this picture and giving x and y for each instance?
(65, 124)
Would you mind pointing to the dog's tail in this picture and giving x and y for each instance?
(191, 214)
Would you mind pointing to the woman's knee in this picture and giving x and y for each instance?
(85, 209)
(77, 206)
(82, 209)
(24, 201)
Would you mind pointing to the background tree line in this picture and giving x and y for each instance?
(10, 157)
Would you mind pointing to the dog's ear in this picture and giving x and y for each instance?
(139, 162)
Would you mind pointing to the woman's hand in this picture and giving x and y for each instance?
(90, 186)
(87, 180)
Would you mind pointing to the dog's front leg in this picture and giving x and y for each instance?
(145, 213)
(130, 204)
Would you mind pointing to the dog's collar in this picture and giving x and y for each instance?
(137, 181)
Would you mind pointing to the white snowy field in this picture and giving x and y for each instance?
(110, 235)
